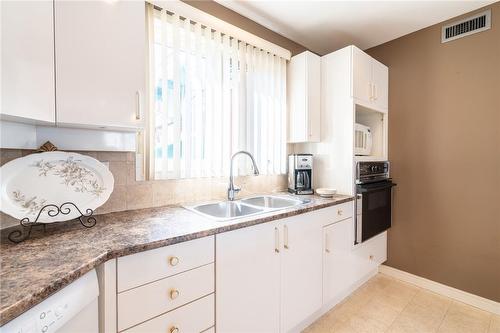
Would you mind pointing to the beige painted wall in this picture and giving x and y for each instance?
(444, 145)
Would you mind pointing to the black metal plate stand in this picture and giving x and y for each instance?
(86, 219)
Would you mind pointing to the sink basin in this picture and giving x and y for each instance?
(272, 202)
(226, 209)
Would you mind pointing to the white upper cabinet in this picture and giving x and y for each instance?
(370, 80)
(380, 78)
(100, 63)
(361, 75)
(303, 94)
(27, 61)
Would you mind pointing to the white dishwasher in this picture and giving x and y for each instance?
(72, 309)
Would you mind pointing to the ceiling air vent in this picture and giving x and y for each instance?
(466, 27)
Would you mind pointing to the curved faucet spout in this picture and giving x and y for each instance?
(232, 190)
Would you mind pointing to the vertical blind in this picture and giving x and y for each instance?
(212, 95)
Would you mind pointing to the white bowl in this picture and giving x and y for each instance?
(326, 192)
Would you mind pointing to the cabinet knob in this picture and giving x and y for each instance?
(173, 261)
(340, 212)
(372, 256)
(174, 293)
(174, 329)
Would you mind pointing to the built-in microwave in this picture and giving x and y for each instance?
(362, 140)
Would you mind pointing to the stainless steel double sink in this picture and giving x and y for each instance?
(227, 210)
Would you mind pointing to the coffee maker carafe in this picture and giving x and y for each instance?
(300, 173)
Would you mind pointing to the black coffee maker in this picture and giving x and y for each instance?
(300, 173)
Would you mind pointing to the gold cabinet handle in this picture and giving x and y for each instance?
(174, 293)
(276, 240)
(174, 329)
(173, 261)
(285, 237)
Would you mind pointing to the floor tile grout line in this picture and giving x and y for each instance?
(491, 323)
(444, 317)
(399, 314)
(374, 290)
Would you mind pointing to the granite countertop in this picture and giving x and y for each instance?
(38, 267)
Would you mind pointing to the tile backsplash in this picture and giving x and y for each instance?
(131, 194)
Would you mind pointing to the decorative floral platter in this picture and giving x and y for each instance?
(31, 182)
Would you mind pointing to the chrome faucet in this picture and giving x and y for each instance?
(232, 190)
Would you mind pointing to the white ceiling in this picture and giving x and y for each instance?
(325, 26)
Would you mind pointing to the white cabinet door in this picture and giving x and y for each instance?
(297, 99)
(380, 74)
(301, 268)
(361, 75)
(313, 97)
(303, 93)
(248, 279)
(27, 61)
(100, 63)
(339, 273)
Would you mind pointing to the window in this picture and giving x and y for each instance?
(212, 95)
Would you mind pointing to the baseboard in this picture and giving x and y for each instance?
(456, 294)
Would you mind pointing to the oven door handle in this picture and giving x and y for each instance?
(365, 189)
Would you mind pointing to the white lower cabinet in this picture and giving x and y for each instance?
(153, 299)
(197, 317)
(248, 279)
(369, 255)
(272, 277)
(346, 265)
(268, 277)
(338, 271)
(301, 268)
(140, 268)
(169, 289)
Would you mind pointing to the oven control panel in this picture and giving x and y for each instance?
(372, 171)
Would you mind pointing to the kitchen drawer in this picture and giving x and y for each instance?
(140, 268)
(337, 213)
(195, 317)
(370, 254)
(150, 300)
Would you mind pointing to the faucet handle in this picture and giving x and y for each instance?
(237, 189)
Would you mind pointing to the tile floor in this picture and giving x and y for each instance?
(384, 304)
